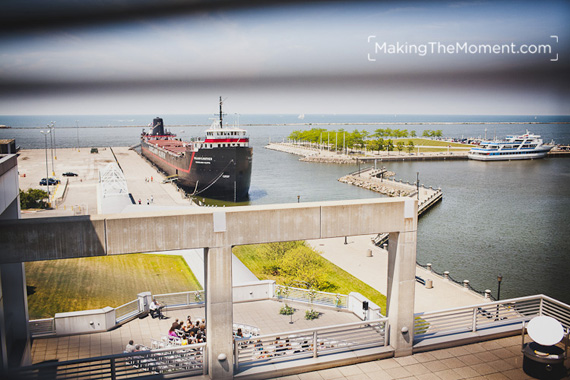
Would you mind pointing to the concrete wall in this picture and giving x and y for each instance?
(355, 301)
(253, 291)
(86, 321)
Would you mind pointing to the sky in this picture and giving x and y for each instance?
(346, 58)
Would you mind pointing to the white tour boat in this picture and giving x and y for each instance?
(523, 147)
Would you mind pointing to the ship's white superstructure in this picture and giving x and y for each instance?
(523, 147)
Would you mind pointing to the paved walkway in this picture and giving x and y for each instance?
(82, 190)
(353, 258)
(262, 314)
(497, 359)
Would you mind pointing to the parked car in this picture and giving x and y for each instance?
(52, 181)
(69, 174)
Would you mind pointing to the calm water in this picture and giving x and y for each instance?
(503, 217)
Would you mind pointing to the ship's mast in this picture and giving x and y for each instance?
(221, 124)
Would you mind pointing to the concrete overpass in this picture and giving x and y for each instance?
(217, 231)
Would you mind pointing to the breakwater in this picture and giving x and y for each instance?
(312, 153)
(379, 180)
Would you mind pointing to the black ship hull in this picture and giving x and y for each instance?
(221, 173)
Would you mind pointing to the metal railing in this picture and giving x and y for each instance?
(174, 300)
(127, 311)
(42, 327)
(186, 360)
(488, 315)
(310, 343)
(447, 276)
(307, 295)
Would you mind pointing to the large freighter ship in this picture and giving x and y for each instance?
(218, 166)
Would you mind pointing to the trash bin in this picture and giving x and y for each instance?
(429, 283)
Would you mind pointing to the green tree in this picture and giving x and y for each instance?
(412, 133)
(33, 198)
(389, 145)
(400, 146)
(303, 263)
(426, 133)
(273, 253)
(410, 146)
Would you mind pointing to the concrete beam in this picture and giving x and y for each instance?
(100, 235)
(51, 238)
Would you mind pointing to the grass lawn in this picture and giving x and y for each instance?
(91, 283)
(344, 281)
(434, 143)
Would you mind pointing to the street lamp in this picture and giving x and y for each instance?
(47, 169)
(50, 126)
(54, 142)
(77, 128)
(499, 279)
(418, 184)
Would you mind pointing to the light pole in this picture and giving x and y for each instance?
(54, 142)
(77, 128)
(418, 184)
(499, 280)
(50, 126)
(47, 170)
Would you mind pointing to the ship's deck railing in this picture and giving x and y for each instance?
(309, 343)
(182, 360)
(487, 316)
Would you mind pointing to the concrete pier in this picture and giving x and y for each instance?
(78, 195)
(373, 179)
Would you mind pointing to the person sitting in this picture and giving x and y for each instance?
(196, 327)
(131, 347)
(172, 333)
(177, 325)
(156, 309)
(239, 333)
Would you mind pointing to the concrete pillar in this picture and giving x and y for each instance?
(3, 350)
(145, 299)
(219, 312)
(15, 345)
(401, 284)
(15, 303)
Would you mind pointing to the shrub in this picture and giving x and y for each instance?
(33, 198)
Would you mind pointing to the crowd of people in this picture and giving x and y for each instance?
(190, 331)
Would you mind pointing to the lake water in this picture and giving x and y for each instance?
(511, 218)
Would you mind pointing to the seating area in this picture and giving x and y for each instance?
(158, 359)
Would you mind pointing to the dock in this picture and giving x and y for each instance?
(377, 180)
(78, 195)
